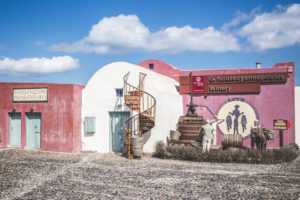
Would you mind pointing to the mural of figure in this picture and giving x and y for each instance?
(228, 122)
(244, 122)
(236, 113)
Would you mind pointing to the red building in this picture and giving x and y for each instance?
(41, 115)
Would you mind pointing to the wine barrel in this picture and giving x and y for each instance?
(232, 140)
(137, 143)
(191, 136)
(190, 127)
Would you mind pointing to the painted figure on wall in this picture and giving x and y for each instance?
(229, 122)
(244, 122)
(236, 113)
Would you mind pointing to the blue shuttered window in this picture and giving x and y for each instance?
(90, 124)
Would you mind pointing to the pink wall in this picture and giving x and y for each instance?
(162, 68)
(61, 115)
(275, 101)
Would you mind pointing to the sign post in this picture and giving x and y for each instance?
(281, 125)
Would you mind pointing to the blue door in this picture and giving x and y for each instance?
(15, 130)
(116, 133)
(33, 130)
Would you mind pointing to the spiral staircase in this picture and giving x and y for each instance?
(144, 106)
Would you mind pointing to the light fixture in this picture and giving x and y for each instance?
(14, 109)
(32, 109)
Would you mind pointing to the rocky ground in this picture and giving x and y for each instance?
(42, 175)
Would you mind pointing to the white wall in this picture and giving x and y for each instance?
(99, 99)
(297, 113)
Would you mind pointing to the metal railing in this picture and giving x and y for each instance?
(147, 108)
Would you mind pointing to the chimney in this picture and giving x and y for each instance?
(258, 64)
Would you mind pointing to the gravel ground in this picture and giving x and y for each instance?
(28, 174)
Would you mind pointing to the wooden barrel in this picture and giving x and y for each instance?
(232, 140)
(190, 127)
(191, 136)
(137, 143)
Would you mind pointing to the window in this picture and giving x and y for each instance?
(90, 124)
(151, 66)
(119, 92)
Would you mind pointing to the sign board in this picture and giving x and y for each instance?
(233, 88)
(30, 94)
(280, 124)
(249, 78)
(198, 84)
(229, 84)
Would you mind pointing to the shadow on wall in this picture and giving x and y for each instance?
(146, 136)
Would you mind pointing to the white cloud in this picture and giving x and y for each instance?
(241, 17)
(126, 33)
(27, 66)
(277, 29)
(174, 40)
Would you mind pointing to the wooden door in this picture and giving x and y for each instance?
(33, 130)
(116, 133)
(15, 130)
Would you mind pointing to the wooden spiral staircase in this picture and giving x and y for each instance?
(145, 105)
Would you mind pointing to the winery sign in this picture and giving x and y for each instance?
(229, 84)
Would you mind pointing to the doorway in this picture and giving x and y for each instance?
(33, 130)
(15, 129)
(116, 131)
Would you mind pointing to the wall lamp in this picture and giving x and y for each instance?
(32, 109)
(14, 109)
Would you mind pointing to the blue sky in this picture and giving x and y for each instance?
(68, 41)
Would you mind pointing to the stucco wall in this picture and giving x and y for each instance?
(60, 116)
(297, 110)
(99, 98)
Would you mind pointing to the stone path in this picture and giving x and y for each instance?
(44, 175)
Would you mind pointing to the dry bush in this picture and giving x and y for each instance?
(230, 155)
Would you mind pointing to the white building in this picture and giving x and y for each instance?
(103, 107)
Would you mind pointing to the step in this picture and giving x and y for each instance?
(146, 117)
(132, 102)
(134, 93)
(131, 98)
(146, 127)
(147, 124)
(133, 106)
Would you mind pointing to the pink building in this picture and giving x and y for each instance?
(41, 115)
(239, 96)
